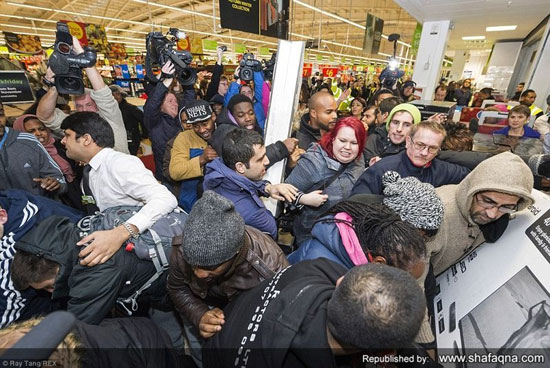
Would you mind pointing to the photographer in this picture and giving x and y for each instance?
(161, 115)
(99, 100)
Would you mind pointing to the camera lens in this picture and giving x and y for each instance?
(63, 47)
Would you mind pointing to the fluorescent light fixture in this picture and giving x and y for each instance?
(176, 9)
(501, 28)
(473, 38)
(314, 8)
(134, 22)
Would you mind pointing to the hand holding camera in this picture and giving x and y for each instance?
(168, 70)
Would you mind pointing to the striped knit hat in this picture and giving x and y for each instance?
(415, 202)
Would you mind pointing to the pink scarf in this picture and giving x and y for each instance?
(65, 167)
(350, 240)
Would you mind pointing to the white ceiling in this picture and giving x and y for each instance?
(470, 17)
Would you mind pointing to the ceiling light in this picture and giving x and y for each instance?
(501, 28)
(134, 22)
(473, 38)
(176, 9)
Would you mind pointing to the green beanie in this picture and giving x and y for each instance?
(410, 108)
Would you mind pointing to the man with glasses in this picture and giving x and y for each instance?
(423, 144)
(476, 211)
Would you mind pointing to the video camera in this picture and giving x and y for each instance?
(390, 75)
(66, 65)
(160, 49)
(269, 66)
(249, 65)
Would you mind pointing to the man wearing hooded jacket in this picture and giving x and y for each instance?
(478, 210)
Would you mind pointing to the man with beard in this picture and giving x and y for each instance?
(528, 99)
(320, 119)
(191, 151)
(238, 176)
(218, 258)
(478, 209)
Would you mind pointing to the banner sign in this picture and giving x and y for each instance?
(373, 34)
(264, 51)
(329, 72)
(196, 46)
(239, 48)
(416, 38)
(184, 44)
(263, 17)
(306, 72)
(15, 87)
(25, 44)
(78, 30)
(209, 45)
(495, 302)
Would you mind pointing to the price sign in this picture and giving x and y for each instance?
(329, 72)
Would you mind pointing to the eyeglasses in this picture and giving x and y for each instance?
(488, 203)
(421, 147)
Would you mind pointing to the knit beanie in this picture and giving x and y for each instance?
(213, 232)
(410, 108)
(415, 202)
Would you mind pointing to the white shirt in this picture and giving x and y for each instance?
(119, 179)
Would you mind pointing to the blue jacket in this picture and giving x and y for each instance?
(234, 88)
(437, 174)
(528, 132)
(314, 169)
(325, 242)
(243, 192)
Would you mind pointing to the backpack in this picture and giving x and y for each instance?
(154, 244)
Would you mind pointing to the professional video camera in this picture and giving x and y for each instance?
(66, 65)
(248, 66)
(390, 75)
(160, 49)
(269, 66)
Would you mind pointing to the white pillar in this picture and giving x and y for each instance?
(458, 64)
(430, 56)
(539, 77)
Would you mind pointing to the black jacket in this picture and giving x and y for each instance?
(438, 173)
(378, 144)
(275, 152)
(133, 122)
(124, 342)
(292, 329)
(92, 291)
(306, 134)
(161, 127)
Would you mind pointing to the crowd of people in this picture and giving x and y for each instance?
(187, 260)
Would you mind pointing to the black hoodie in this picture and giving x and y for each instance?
(306, 134)
(282, 322)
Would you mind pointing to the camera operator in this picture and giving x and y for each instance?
(219, 83)
(99, 100)
(161, 115)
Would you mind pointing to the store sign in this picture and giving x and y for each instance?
(25, 44)
(196, 46)
(266, 18)
(184, 44)
(15, 87)
(264, 51)
(329, 72)
(373, 34)
(78, 30)
(239, 48)
(306, 72)
(209, 45)
(416, 38)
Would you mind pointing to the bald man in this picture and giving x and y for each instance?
(320, 119)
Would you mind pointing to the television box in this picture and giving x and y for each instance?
(428, 108)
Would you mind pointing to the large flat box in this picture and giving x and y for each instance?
(428, 108)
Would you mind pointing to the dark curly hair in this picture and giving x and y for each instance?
(459, 137)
